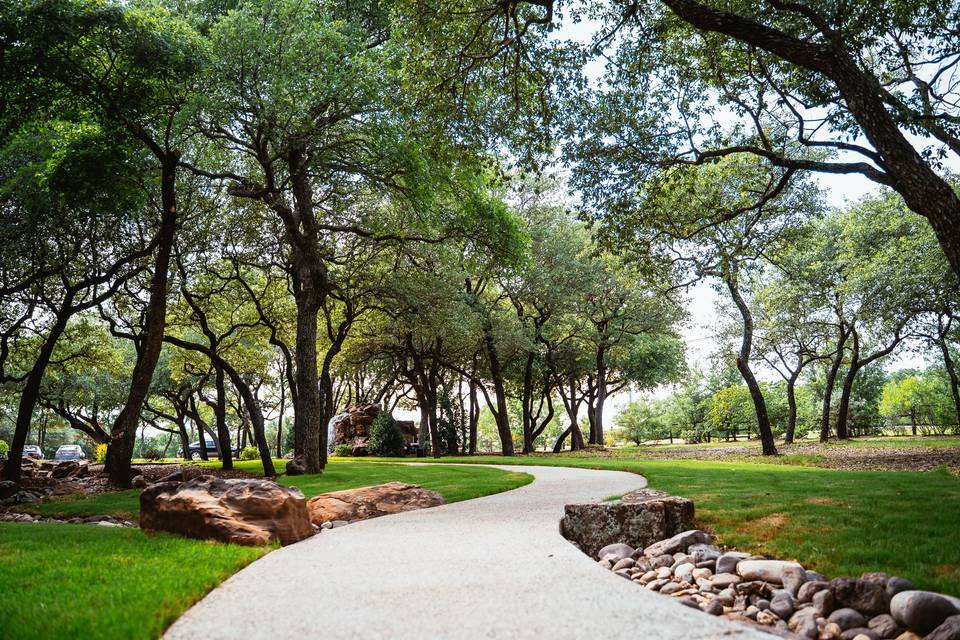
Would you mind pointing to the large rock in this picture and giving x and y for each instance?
(636, 520)
(867, 596)
(371, 502)
(921, 611)
(766, 570)
(727, 563)
(847, 618)
(949, 629)
(353, 427)
(677, 543)
(69, 469)
(618, 549)
(248, 512)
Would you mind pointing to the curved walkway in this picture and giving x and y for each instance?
(493, 567)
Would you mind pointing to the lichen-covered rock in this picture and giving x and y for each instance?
(248, 512)
(295, 467)
(371, 502)
(637, 522)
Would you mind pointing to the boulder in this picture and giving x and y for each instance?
(700, 552)
(724, 580)
(296, 467)
(353, 427)
(793, 577)
(248, 512)
(896, 584)
(8, 488)
(69, 469)
(138, 482)
(864, 595)
(949, 629)
(885, 626)
(783, 605)
(807, 590)
(847, 618)
(727, 563)
(766, 570)
(618, 549)
(921, 611)
(636, 522)
(371, 502)
(678, 542)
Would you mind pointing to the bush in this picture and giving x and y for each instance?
(342, 450)
(250, 453)
(100, 454)
(4, 448)
(385, 437)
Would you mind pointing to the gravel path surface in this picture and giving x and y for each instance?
(494, 567)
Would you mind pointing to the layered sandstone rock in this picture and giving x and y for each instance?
(248, 512)
(371, 502)
(353, 427)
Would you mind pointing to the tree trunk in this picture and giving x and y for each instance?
(830, 383)
(791, 408)
(923, 190)
(29, 397)
(120, 450)
(308, 408)
(847, 389)
(601, 397)
(743, 365)
(526, 404)
(496, 374)
(280, 419)
(474, 417)
(952, 374)
(220, 412)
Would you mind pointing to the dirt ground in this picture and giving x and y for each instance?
(830, 455)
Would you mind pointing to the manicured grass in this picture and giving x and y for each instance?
(837, 522)
(877, 442)
(88, 581)
(453, 483)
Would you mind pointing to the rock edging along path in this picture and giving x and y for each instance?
(493, 567)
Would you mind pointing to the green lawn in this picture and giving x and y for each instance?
(837, 522)
(453, 483)
(87, 581)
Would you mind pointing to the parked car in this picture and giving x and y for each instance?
(211, 450)
(32, 451)
(69, 452)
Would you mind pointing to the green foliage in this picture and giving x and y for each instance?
(641, 421)
(385, 437)
(249, 453)
(4, 448)
(100, 454)
(343, 450)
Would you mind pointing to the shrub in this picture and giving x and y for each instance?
(342, 450)
(250, 453)
(4, 448)
(100, 455)
(385, 437)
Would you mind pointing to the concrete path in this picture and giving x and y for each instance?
(494, 567)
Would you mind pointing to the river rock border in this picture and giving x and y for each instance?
(779, 596)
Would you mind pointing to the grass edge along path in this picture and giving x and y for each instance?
(840, 523)
(453, 483)
(80, 580)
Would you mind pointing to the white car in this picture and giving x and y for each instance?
(69, 452)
